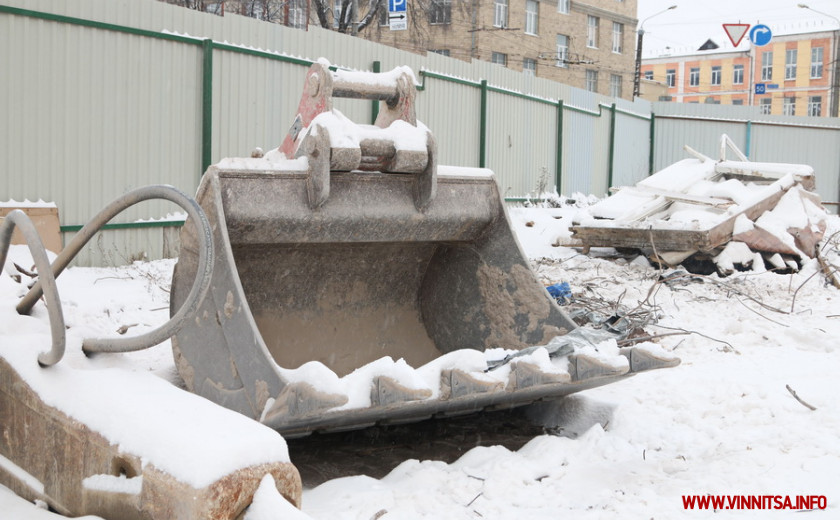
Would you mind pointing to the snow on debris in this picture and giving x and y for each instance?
(722, 423)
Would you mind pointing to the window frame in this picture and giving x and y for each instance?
(593, 24)
(440, 9)
(591, 80)
(738, 74)
(671, 78)
(694, 77)
(815, 102)
(765, 105)
(767, 66)
(562, 51)
(618, 38)
(529, 70)
(563, 6)
(717, 72)
(532, 17)
(615, 85)
(818, 64)
(789, 106)
(494, 55)
(791, 57)
(501, 9)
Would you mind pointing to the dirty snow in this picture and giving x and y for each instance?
(722, 423)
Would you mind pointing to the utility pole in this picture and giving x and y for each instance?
(641, 32)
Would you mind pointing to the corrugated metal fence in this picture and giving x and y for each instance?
(102, 96)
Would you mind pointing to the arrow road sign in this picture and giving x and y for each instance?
(396, 17)
(736, 32)
(760, 35)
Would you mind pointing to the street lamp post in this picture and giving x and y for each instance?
(641, 33)
(835, 67)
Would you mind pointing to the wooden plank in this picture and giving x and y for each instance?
(677, 196)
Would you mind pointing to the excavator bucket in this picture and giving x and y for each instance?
(357, 282)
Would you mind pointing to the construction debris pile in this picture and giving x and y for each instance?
(711, 215)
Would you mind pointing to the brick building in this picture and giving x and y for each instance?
(588, 44)
(792, 75)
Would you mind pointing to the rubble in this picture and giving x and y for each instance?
(720, 215)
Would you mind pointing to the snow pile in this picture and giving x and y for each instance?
(722, 423)
(130, 408)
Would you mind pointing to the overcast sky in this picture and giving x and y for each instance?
(688, 26)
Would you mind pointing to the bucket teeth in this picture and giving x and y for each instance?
(584, 367)
(643, 359)
(526, 375)
(457, 383)
(299, 400)
(386, 391)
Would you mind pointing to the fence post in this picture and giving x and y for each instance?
(374, 103)
(558, 167)
(749, 138)
(482, 127)
(651, 143)
(612, 148)
(206, 105)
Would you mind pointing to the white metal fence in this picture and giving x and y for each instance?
(102, 96)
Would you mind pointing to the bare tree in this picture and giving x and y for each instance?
(332, 16)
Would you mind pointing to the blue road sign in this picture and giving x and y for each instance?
(760, 88)
(760, 35)
(396, 6)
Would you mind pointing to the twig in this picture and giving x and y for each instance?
(124, 328)
(793, 300)
(703, 335)
(763, 316)
(473, 500)
(24, 271)
(632, 341)
(803, 403)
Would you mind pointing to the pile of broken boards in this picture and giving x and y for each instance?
(713, 216)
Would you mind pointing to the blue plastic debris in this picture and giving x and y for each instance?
(561, 292)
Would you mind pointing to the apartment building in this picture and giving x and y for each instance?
(792, 75)
(588, 44)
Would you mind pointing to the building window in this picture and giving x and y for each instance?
(562, 50)
(816, 62)
(649, 75)
(790, 64)
(384, 17)
(591, 80)
(532, 14)
(442, 52)
(716, 75)
(618, 37)
(529, 66)
(615, 85)
(500, 14)
(767, 66)
(737, 101)
(789, 106)
(815, 106)
(764, 105)
(671, 77)
(499, 58)
(592, 31)
(440, 12)
(694, 77)
(297, 14)
(563, 6)
(738, 75)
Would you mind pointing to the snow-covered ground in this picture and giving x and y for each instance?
(721, 423)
